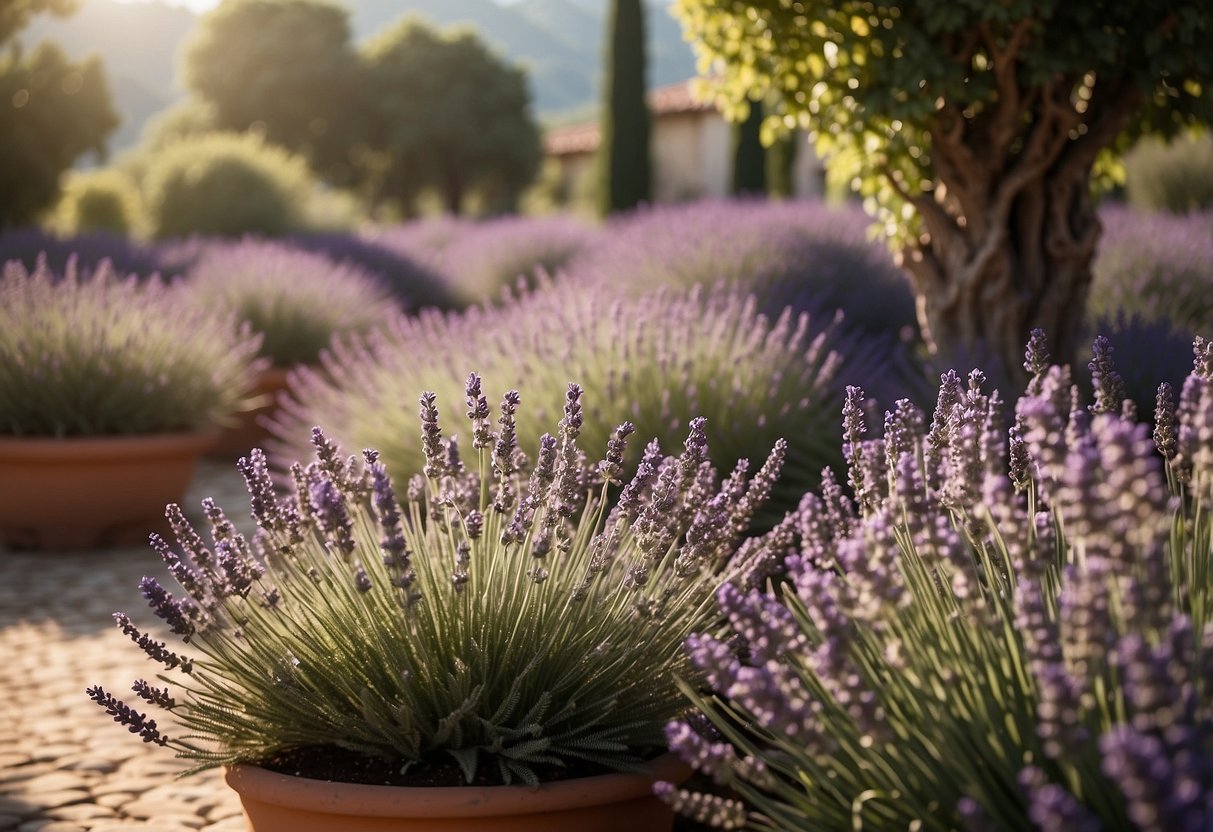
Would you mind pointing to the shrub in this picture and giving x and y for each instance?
(966, 648)
(805, 254)
(28, 245)
(502, 621)
(1155, 266)
(494, 255)
(415, 282)
(103, 200)
(97, 355)
(226, 184)
(1175, 176)
(657, 361)
(298, 301)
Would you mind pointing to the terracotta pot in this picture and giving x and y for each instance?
(606, 803)
(92, 492)
(248, 432)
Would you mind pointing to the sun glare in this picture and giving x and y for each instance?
(196, 6)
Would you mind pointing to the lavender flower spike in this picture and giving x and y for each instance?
(125, 715)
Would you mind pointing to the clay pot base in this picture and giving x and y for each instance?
(94, 492)
(249, 431)
(606, 803)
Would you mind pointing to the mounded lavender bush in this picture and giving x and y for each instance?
(415, 284)
(27, 245)
(299, 301)
(805, 254)
(494, 616)
(1156, 266)
(971, 644)
(93, 355)
(657, 361)
(494, 255)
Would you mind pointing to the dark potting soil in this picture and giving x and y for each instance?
(344, 766)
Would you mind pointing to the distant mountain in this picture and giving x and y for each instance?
(560, 43)
(137, 43)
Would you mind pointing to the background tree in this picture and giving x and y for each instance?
(749, 156)
(973, 129)
(52, 111)
(286, 66)
(15, 14)
(448, 114)
(623, 153)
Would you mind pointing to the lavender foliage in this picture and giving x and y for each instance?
(298, 301)
(655, 361)
(95, 354)
(972, 648)
(447, 628)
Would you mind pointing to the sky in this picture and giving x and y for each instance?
(200, 6)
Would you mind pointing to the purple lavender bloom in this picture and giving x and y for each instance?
(263, 502)
(123, 714)
(152, 695)
(333, 516)
(1165, 437)
(1108, 383)
(1036, 357)
(181, 614)
(1053, 809)
(431, 437)
(478, 412)
(1164, 791)
(155, 650)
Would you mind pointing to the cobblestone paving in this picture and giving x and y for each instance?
(64, 766)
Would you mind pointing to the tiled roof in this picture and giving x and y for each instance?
(583, 138)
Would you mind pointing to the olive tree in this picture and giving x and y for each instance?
(972, 128)
(447, 113)
(289, 68)
(52, 111)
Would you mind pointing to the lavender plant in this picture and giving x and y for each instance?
(297, 300)
(84, 355)
(496, 615)
(975, 643)
(88, 250)
(492, 256)
(657, 361)
(1155, 266)
(805, 254)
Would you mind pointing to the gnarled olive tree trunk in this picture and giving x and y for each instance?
(1010, 225)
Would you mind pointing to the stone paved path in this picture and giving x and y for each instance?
(64, 766)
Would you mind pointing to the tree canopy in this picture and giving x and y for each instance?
(53, 110)
(449, 114)
(285, 66)
(972, 129)
(15, 15)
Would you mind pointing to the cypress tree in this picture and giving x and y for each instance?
(749, 156)
(624, 167)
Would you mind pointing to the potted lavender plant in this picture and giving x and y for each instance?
(492, 649)
(110, 390)
(971, 646)
(299, 301)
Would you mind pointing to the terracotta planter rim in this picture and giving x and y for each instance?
(451, 801)
(104, 446)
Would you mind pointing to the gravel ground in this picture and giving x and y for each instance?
(64, 766)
